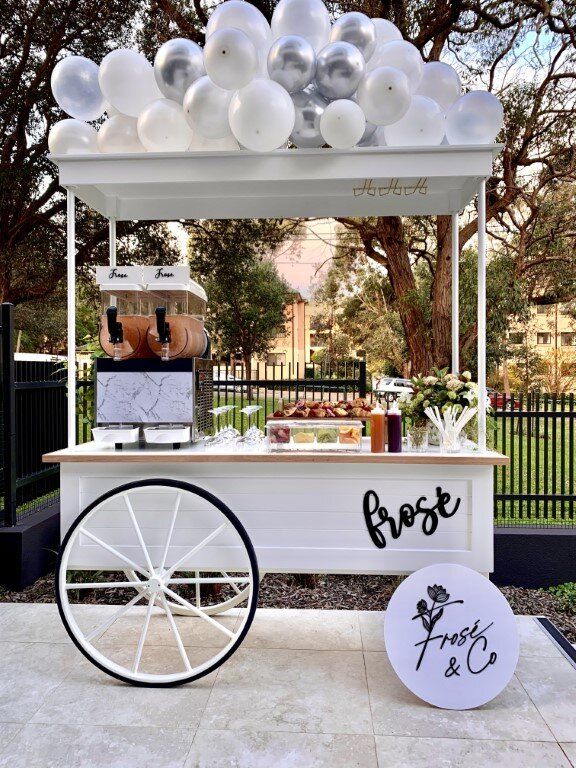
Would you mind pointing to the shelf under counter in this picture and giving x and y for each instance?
(93, 452)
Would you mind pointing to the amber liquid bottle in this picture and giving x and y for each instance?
(378, 431)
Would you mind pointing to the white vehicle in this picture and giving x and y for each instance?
(392, 385)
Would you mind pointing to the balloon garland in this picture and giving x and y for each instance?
(300, 81)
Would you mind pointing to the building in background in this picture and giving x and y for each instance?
(544, 348)
(292, 349)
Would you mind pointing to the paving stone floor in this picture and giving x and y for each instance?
(307, 689)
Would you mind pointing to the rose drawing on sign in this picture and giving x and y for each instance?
(431, 614)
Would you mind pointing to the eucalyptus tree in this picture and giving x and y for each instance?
(35, 35)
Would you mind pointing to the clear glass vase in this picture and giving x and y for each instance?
(451, 441)
(417, 438)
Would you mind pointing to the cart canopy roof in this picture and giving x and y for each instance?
(370, 181)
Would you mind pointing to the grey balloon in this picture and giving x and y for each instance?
(292, 62)
(177, 65)
(357, 29)
(309, 106)
(339, 69)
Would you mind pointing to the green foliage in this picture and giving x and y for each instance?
(566, 595)
(440, 389)
(355, 313)
(246, 296)
(32, 206)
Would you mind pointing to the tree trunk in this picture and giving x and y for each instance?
(247, 360)
(441, 295)
(391, 235)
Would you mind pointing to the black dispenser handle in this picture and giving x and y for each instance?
(114, 327)
(162, 326)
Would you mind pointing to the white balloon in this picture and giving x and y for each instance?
(206, 108)
(342, 124)
(230, 58)
(423, 125)
(119, 134)
(261, 115)
(72, 137)
(162, 127)
(402, 55)
(76, 89)
(386, 31)
(201, 144)
(441, 83)
(308, 18)
(246, 17)
(476, 118)
(384, 95)
(111, 111)
(127, 81)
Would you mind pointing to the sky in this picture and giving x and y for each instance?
(303, 262)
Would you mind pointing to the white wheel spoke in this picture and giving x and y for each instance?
(115, 552)
(102, 584)
(143, 634)
(109, 621)
(139, 534)
(210, 580)
(171, 530)
(195, 549)
(233, 582)
(179, 642)
(198, 612)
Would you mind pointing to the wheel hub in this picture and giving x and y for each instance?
(155, 584)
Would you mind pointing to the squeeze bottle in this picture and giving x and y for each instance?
(394, 429)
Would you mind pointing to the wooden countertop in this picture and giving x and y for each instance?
(93, 452)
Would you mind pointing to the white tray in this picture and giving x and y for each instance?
(115, 434)
(166, 435)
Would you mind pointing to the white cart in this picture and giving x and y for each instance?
(183, 533)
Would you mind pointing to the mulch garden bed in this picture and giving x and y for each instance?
(366, 593)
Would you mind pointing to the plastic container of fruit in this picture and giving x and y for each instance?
(318, 435)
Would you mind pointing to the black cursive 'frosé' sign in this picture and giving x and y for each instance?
(379, 521)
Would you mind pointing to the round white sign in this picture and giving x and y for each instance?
(451, 636)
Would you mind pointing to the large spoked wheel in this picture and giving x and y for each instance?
(208, 602)
(142, 552)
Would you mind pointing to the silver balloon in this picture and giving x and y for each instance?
(177, 65)
(339, 69)
(309, 106)
(376, 139)
(355, 28)
(292, 62)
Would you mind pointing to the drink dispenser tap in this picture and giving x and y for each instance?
(163, 329)
(115, 331)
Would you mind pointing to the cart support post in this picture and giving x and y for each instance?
(112, 242)
(455, 295)
(71, 278)
(112, 250)
(482, 315)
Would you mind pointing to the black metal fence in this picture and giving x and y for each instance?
(536, 431)
(32, 422)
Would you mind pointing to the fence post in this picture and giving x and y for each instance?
(8, 415)
(362, 387)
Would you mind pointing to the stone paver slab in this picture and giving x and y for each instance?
(250, 749)
(551, 684)
(288, 690)
(399, 752)
(304, 630)
(68, 746)
(397, 712)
